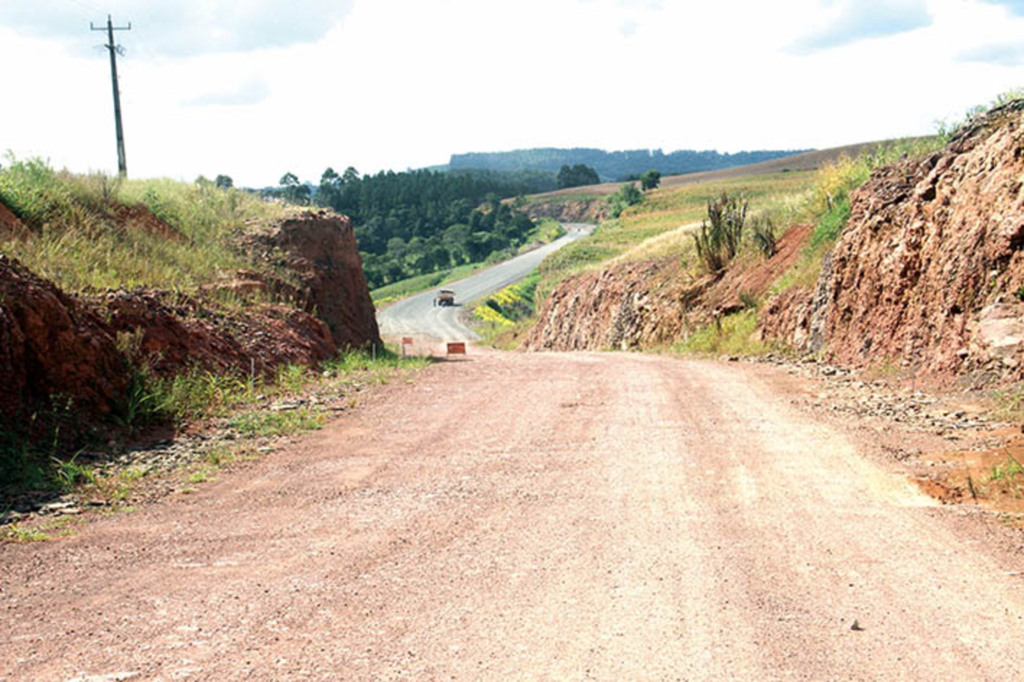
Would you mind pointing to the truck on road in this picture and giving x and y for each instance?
(445, 297)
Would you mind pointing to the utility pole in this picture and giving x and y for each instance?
(114, 49)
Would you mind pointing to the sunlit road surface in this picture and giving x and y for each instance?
(417, 316)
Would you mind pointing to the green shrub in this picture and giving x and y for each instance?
(763, 235)
(718, 238)
(627, 195)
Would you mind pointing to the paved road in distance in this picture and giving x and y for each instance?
(418, 316)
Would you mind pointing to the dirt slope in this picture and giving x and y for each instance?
(534, 516)
(53, 347)
(651, 302)
(320, 249)
(60, 346)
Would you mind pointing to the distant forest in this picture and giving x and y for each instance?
(611, 165)
(418, 222)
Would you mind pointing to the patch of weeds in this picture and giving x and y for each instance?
(284, 423)
(718, 238)
(764, 235)
(1010, 403)
(48, 529)
(831, 225)
(115, 488)
(885, 368)
(21, 464)
(201, 476)
(68, 474)
(219, 456)
(16, 532)
(198, 393)
(734, 335)
(1010, 474)
(292, 378)
(749, 299)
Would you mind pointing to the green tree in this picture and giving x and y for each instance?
(329, 191)
(577, 176)
(294, 191)
(650, 180)
(224, 182)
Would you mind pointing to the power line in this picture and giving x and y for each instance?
(115, 49)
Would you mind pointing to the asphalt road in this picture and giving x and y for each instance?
(417, 316)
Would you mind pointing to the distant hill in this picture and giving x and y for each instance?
(612, 166)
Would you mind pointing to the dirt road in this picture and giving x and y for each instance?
(534, 517)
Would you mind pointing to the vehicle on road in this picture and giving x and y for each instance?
(445, 297)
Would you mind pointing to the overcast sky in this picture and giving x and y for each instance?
(254, 89)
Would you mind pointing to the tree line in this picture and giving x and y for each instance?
(416, 222)
(618, 165)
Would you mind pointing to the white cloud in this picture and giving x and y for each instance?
(181, 27)
(405, 83)
(856, 20)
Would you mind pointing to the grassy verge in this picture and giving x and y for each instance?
(84, 233)
(414, 285)
(733, 335)
(652, 228)
(246, 412)
(502, 318)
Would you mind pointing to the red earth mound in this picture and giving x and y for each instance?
(52, 347)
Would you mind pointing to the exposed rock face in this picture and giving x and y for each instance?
(178, 332)
(622, 307)
(321, 249)
(570, 211)
(929, 268)
(52, 346)
(797, 316)
(651, 303)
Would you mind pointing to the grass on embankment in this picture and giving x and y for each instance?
(245, 406)
(502, 318)
(663, 211)
(81, 237)
(826, 205)
(547, 231)
(661, 226)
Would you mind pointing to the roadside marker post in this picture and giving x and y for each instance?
(406, 341)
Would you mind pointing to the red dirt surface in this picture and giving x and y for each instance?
(322, 253)
(536, 516)
(11, 226)
(179, 331)
(52, 346)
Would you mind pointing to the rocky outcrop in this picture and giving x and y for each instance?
(797, 316)
(53, 347)
(569, 210)
(654, 302)
(319, 249)
(178, 332)
(929, 271)
(630, 305)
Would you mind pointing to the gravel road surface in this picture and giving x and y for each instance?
(535, 516)
(417, 316)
